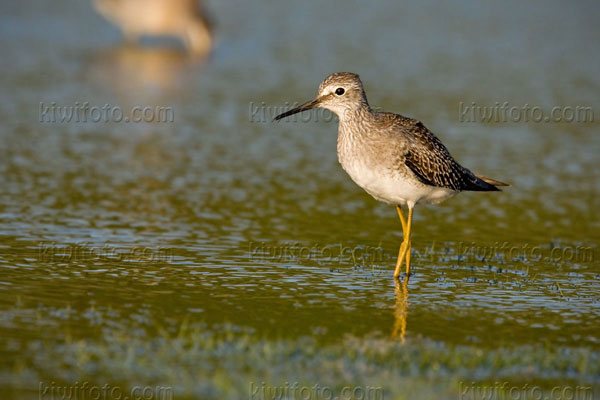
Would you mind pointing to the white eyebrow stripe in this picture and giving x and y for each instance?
(328, 90)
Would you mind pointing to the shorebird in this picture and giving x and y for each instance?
(185, 19)
(395, 159)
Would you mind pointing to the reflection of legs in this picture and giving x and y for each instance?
(404, 252)
(401, 310)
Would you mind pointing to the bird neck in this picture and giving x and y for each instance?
(356, 117)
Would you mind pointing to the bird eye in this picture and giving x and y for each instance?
(339, 91)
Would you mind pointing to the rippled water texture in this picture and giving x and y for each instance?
(222, 248)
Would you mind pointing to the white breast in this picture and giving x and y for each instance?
(394, 188)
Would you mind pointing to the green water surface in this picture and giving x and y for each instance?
(222, 250)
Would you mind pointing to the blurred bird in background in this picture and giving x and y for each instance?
(183, 19)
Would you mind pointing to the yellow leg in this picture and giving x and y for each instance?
(409, 241)
(408, 257)
(402, 220)
(399, 261)
(404, 252)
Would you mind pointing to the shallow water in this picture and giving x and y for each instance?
(230, 224)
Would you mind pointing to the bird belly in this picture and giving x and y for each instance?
(395, 188)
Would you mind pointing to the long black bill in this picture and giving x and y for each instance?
(306, 106)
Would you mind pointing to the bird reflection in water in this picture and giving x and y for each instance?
(400, 309)
(152, 74)
(186, 20)
(137, 71)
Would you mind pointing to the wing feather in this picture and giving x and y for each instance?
(431, 162)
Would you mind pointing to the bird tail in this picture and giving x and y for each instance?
(492, 181)
(483, 184)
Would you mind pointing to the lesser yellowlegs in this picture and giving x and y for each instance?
(396, 159)
(184, 19)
